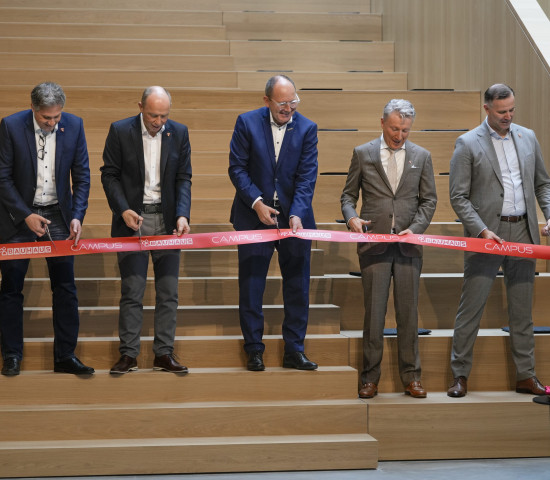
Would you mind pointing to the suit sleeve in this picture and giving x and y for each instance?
(80, 175)
(350, 194)
(427, 198)
(183, 178)
(305, 176)
(9, 195)
(542, 181)
(111, 172)
(239, 158)
(460, 182)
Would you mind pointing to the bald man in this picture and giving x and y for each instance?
(147, 180)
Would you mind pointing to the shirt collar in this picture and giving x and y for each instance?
(275, 123)
(384, 146)
(39, 131)
(144, 129)
(494, 134)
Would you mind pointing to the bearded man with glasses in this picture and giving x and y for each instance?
(273, 166)
(42, 151)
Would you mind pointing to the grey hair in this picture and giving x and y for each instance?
(273, 81)
(154, 89)
(498, 91)
(403, 107)
(47, 94)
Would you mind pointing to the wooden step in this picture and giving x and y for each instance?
(302, 26)
(108, 45)
(438, 299)
(118, 16)
(298, 55)
(94, 62)
(361, 6)
(196, 33)
(172, 77)
(183, 455)
(194, 352)
(181, 420)
(192, 320)
(200, 385)
(93, 292)
(193, 263)
(481, 425)
(493, 368)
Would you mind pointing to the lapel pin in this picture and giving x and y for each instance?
(62, 129)
(519, 135)
(167, 134)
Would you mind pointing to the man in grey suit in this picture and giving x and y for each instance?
(396, 181)
(497, 172)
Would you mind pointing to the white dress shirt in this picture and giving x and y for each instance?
(151, 155)
(45, 193)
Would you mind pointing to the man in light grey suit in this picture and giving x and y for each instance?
(396, 181)
(497, 172)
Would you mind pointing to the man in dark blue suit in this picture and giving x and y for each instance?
(273, 166)
(147, 180)
(41, 151)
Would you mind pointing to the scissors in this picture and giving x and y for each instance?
(49, 236)
(276, 220)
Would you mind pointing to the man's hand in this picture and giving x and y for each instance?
(182, 226)
(405, 232)
(37, 223)
(295, 223)
(545, 231)
(132, 219)
(75, 231)
(265, 213)
(356, 224)
(488, 235)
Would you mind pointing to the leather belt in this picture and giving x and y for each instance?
(151, 208)
(512, 218)
(43, 207)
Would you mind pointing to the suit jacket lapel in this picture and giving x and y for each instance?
(484, 137)
(410, 156)
(31, 141)
(521, 151)
(138, 144)
(164, 149)
(269, 137)
(374, 152)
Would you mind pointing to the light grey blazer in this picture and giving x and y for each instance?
(414, 201)
(475, 180)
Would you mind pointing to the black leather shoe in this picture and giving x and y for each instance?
(72, 365)
(299, 361)
(168, 363)
(12, 366)
(255, 362)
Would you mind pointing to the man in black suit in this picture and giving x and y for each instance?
(147, 180)
(42, 151)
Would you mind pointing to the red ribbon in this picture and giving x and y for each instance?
(12, 251)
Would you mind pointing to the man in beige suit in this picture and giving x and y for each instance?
(396, 181)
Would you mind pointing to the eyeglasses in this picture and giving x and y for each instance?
(41, 147)
(292, 104)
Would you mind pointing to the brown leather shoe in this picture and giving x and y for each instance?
(368, 390)
(531, 386)
(416, 390)
(169, 364)
(125, 364)
(459, 388)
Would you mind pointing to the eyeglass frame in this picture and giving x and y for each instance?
(291, 104)
(40, 154)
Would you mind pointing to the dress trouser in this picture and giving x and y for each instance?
(133, 271)
(294, 261)
(64, 297)
(377, 272)
(480, 270)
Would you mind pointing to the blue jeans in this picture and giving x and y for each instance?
(64, 298)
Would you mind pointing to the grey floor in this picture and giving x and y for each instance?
(501, 469)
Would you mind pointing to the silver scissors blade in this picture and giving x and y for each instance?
(274, 217)
(49, 236)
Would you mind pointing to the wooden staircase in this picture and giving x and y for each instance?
(215, 56)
